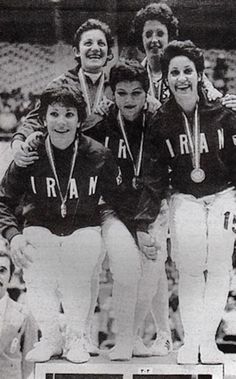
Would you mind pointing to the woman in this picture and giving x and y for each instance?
(92, 48)
(154, 26)
(196, 139)
(61, 242)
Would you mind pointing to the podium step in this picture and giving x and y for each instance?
(137, 368)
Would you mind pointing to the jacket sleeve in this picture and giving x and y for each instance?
(155, 178)
(12, 187)
(230, 144)
(29, 338)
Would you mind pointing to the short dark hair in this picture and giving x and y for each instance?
(90, 24)
(5, 252)
(186, 48)
(66, 95)
(154, 11)
(128, 70)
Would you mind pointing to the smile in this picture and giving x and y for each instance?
(61, 131)
(183, 87)
(94, 56)
(129, 107)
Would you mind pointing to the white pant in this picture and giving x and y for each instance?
(153, 287)
(60, 274)
(202, 233)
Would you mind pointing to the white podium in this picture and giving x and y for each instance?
(136, 368)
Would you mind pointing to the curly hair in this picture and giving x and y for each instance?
(66, 95)
(154, 11)
(185, 48)
(90, 24)
(128, 70)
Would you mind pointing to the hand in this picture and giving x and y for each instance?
(33, 141)
(152, 104)
(21, 155)
(148, 245)
(213, 93)
(229, 101)
(104, 106)
(20, 251)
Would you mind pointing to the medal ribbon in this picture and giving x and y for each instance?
(193, 138)
(137, 165)
(52, 163)
(85, 91)
(152, 86)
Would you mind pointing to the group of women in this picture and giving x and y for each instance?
(174, 149)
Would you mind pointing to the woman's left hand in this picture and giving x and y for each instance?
(103, 107)
(213, 93)
(152, 104)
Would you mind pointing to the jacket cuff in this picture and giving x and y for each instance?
(10, 232)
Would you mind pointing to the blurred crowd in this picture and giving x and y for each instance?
(14, 106)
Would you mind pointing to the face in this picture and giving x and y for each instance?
(62, 124)
(130, 98)
(183, 78)
(92, 50)
(155, 38)
(4, 275)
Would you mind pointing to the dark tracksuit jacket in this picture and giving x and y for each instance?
(95, 175)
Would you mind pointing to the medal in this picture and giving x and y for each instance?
(134, 183)
(52, 163)
(63, 210)
(197, 175)
(138, 163)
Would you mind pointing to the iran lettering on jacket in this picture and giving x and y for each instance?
(51, 186)
(183, 144)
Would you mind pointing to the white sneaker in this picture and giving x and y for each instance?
(161, 346)
(210, 354)
(90, 347)
(43, 351)
(122, 351)
(188, 354)
(140, 350)
(76, 351)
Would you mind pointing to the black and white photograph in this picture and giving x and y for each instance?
(117, 189)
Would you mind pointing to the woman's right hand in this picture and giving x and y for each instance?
(21, 154)
(21, 251)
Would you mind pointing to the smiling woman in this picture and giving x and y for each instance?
(195, 138)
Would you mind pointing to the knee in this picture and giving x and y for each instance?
(126, 272)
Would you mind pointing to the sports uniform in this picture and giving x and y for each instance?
(201, 212)
(64, 239)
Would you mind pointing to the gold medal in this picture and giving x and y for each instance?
(197, 175)
(63, 210)
(134, 183)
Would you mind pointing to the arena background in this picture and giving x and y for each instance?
(35, 47)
